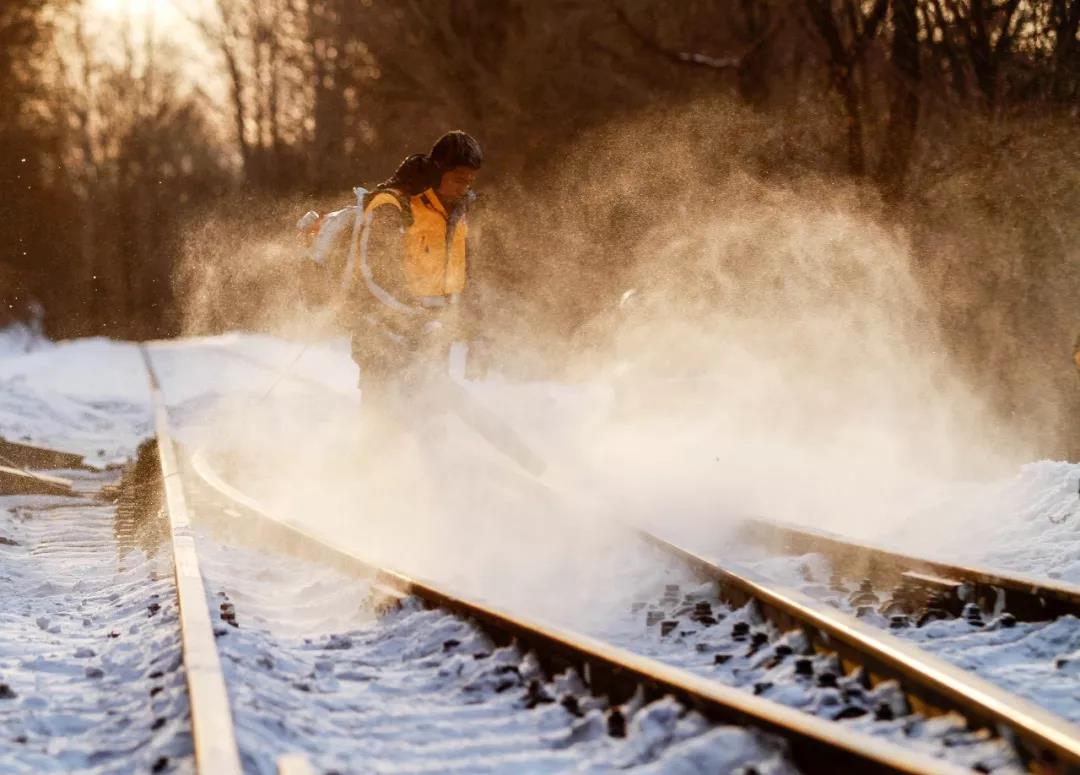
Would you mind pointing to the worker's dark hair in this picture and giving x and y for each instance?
(456, 149)
(414, 175)
(419, 172)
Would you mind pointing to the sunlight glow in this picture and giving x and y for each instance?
(169, 17)
(174, 38)
(120, 8)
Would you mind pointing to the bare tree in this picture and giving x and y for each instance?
(1065, 18)
(847, 28)
(905, 76)
(754, 27)
(977, 37)
(28, 135)
(138, 150)
(260, 46)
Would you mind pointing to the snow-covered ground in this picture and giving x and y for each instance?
(458, 511)
(91, 396)
(1029, 522)
(88, 396)
(90, 674)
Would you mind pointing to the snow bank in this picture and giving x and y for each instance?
(88, 396)
(90, 671)
(1029, 522)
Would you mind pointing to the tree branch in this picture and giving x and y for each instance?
(1006, 35)
(679, 57)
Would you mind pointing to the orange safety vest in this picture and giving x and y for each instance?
(434, 265)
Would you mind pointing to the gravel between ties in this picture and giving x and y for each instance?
(90, 673)
(311, 670)
(1039, 661)
(686, 625)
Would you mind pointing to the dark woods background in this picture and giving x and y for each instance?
(141, 197)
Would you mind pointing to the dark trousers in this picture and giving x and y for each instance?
(401, 376)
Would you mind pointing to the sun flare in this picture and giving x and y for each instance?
(166, 18)
(119, 8)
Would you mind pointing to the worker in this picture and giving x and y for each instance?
(407, 296)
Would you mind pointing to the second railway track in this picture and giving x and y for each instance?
(867, 656)
(917, 582)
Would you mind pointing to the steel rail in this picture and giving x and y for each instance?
(932, 686)
(1026, 597)
(213, 732)
(816, 745)
(294, 764)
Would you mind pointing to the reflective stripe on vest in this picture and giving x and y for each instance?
(377, 290)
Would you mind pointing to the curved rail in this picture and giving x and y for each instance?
(213, 734)
(931, 685)
(1027, 598)
(816, 746)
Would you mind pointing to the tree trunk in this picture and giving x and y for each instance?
(844, 57)
(845, 84)
(753, 69)
(1067, 13)
(329, 107)
(904, 103)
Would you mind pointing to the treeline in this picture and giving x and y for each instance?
(131, 187)
(103, 150)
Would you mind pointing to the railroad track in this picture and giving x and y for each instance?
(866, 655)
(623, 678)
(916, 583)
(993, 622)
(931, 686)
(213, 733)
(89, 676)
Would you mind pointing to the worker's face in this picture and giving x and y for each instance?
(456, 183)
